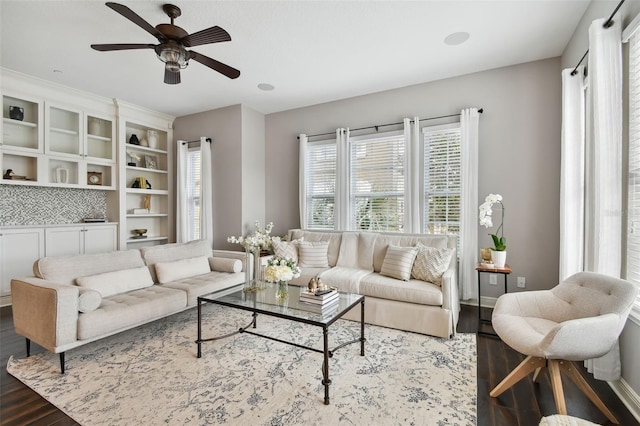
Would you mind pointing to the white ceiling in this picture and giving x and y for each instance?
(311, 51)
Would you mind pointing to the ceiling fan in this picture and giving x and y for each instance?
(173, 43)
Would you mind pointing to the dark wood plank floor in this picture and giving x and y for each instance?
(523, 405)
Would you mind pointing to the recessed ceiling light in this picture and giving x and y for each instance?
(455, 39)
(266, 87)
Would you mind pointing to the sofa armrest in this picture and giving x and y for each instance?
(45, 312)
(450, 298)
(230, 254)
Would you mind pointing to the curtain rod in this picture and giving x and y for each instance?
(607, 24)
(188, 142)
(481, 110)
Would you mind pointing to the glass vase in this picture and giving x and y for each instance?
(282, 293)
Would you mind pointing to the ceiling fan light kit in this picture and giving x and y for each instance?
(173, 42)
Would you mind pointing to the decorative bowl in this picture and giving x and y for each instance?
(139, 231)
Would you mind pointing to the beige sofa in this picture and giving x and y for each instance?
(74, 300)
(354, 264)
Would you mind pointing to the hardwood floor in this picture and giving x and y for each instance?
(522, 405)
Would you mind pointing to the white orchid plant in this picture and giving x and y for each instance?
(260, 240)
(486, 211)
(281, 269)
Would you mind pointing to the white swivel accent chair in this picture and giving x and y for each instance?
(579, 319)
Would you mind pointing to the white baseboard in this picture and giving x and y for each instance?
(5, 301)
(485, 302)
(628, 396)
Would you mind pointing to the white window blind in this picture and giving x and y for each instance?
(193, 193)
(377, 182)
(442, 179)
(321, 184)
(633, 200)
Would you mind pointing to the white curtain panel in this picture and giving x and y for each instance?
(342, 202)
(572, 178)
(412, 222)
(206, 190)
(182, 230)
(302, 179)
(604, 165)
(469, 119)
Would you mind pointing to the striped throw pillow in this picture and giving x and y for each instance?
(288, 249)
(431, 263)
(313, 254)
(398, 262)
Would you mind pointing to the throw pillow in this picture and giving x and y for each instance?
(183, 268)
(224, 264)
(431, 263)
(313, 254)
(287, 249)
(112, 283)
(89, 300)
(398, 262)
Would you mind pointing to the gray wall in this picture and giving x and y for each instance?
(238, 167)
(519, 152)
(224, 127)
(630, 338)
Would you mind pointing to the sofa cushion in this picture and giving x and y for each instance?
(356, 250)
(200, 285)
(288, 249)
(431, 263)
(225, 264)
(334, 238)
(123, 311)
(89, 300)
(412, 291)
(183, 268)
(313, 254)
(65, 269)
(174, 251)
(398, 262)
(117, 282)
(346, 279)
(383, 241)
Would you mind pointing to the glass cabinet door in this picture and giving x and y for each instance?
(64, 128)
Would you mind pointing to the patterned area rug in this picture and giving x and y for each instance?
(150, 376)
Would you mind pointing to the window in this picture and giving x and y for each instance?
(193, 193)
(633, 197)
(321, 184)
(377, 182)
(442, 179)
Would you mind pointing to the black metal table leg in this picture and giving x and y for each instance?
(325, 366)
(362, 339)
(199, 341)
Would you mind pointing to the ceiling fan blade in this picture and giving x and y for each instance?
(171, 77)
(109, 47)
(215, 65)
(206, 36)
(136, 19)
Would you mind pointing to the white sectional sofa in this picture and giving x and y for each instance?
(354, 264)
(74, 300)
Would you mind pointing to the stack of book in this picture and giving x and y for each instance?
(320, 301)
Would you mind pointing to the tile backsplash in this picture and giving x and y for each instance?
(35, 205)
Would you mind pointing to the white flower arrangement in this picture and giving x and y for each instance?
(260, 240)
(486, 221)
(281, 269)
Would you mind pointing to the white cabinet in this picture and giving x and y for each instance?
(19, 248)
(86, 239)
(51, 144)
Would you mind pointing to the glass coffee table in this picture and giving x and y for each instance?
(267, 302)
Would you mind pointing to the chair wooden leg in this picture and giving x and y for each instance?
(556, 385)
(529, 364)
(574, 374)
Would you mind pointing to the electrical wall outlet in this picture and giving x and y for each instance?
(521, 281)
(493, 279)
